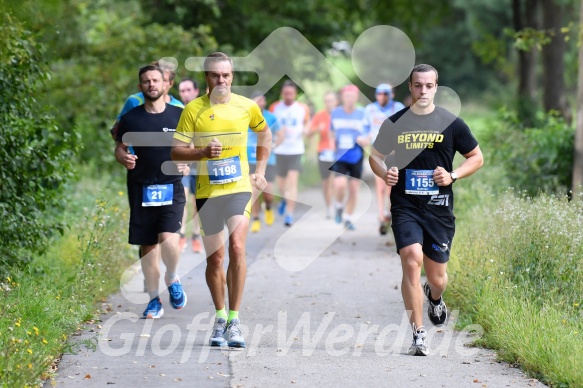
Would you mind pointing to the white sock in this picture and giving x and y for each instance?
(171, 277)
(337, 205)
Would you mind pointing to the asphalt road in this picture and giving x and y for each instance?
(322, 307)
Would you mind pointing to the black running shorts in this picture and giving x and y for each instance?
(147, 222)
(353, 170)
(434, 233)
(214, 212)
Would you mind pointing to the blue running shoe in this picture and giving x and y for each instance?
(177, 295)
(154, 309)
(281, 207)
(217, 335)
(338, 216)
(234, 337)
(349, 225)
(289, 220)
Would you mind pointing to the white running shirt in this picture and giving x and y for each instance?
(291, 121)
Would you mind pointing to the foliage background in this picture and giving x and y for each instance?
(67, 66)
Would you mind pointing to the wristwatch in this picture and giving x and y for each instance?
(453, 176)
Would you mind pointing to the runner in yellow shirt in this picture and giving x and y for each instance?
(217, 125)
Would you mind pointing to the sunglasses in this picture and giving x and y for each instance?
(385, 93)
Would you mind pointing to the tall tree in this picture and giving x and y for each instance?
(524, 18)
(578, 159)
(553, 56)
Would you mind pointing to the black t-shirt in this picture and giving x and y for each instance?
(156, 130)
(423, 142)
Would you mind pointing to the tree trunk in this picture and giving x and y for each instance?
(526, 61)
(578, 160)
(553, 59)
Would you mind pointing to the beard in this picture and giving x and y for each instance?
(148, 96)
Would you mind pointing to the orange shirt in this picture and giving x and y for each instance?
(321, 121)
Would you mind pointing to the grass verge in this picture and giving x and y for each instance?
(516, 271)
(44, 304)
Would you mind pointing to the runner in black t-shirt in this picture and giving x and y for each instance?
(155, 190)
(424, 139)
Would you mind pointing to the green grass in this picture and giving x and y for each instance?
(46, 302)
(515, 270)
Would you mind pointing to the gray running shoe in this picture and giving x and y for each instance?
(437, 312)
(419, 346)
(218, 332)
(234, 337)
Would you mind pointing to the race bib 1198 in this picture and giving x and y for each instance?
(223, 171)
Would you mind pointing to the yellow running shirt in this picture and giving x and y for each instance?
(200, 123)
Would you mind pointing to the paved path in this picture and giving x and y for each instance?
(322, 306)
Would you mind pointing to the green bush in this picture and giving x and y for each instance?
(534, 159)
(36, 155)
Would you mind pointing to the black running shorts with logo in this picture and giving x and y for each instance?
(146, 222)
(214, 212)
(353, 170)
(269, 171)
(434, 233)
(286, 163)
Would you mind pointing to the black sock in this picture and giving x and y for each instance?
(433, 301)
(267, 207)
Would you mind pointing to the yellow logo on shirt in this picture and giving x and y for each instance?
(419, 140)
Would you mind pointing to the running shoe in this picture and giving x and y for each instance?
(281, 207)
(154, 309)
(269, 217)
(218, 333)
(234, 337)
(437, 312)
(349, 225)
(338, 217)
(182, 243)
(255, 226)
(196, 245)
(289, 220)
(384, 228)
(177, 295)
(385, 224)
(419, 345)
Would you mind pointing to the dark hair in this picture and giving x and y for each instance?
(149, 68)
(423, 68)
(165, 69)
(194, 83)
(289, 83)
(216, 57)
